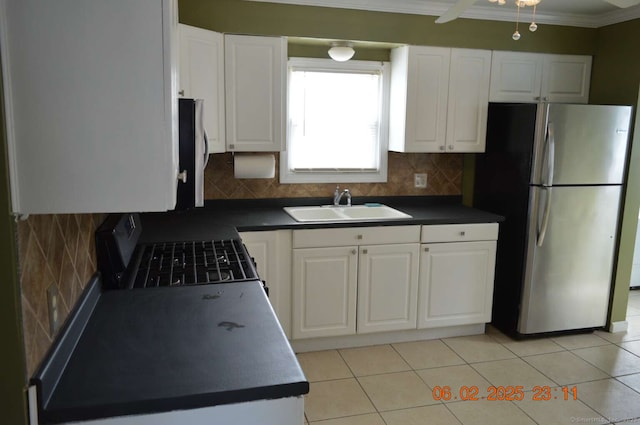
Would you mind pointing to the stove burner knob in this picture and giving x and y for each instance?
(176, 283)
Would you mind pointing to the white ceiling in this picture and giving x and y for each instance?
(580, 13)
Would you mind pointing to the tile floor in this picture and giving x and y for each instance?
(394, 384)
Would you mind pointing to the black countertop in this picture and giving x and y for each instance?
(160, 349)
(223, 219)
(163, 349)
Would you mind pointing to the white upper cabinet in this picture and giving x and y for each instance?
(537, 77)
(91, 108)
(468, 100)
(566, 78)
(419, 94)
(439, 99)
(255, 90)
(202, 77)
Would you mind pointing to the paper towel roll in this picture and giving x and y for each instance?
(254, 166)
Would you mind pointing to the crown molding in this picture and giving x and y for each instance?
(489, 12)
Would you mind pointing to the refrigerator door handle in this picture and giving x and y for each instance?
(545, 218)
(550, 148)
(206, 150)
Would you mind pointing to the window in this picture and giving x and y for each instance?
(338, 119)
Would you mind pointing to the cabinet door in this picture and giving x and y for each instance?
(324, 291)
(387, 287)
(255, 83)
(516, 77)
(202, 77)
(566, 78)
(91, 107)
(468, 100)
(420, 87)
(272, 253)
(456, 283)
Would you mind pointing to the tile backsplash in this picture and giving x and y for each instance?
(53, 249)
(444, 177)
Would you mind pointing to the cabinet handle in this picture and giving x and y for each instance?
(364, 251)
(232, 146)
(450, 147)
(462, 233)
(359, 237)
(181, 92)
(426, 250)
(441, 148)
(354, 252)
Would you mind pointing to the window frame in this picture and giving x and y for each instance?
(335, 176)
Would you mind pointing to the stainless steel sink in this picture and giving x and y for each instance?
(328, 213)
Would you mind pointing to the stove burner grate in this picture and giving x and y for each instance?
(193, 263)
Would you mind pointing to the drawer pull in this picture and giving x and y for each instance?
(365, 251)
(462, 233)
(354, 252)
(426, 250)
(359, 237)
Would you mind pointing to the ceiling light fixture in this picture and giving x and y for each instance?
(522, 3)
(341, 51)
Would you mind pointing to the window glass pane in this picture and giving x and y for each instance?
(335, 120)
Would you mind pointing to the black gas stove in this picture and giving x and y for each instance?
(125, 264)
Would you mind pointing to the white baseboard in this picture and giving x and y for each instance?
(619, 326)
(360, 340)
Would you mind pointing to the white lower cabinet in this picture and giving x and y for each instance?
(387, 287)
(456, 283)
(271, 251)
(324, 291)
(457, 267)
(354, 280)
(393, 279)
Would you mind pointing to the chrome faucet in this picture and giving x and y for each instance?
(337, 196)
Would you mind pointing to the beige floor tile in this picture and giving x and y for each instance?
(558, 411)
(533, 347)
(427, 354)
(336, 399)
(632, 346)
(397, 390)
(324, 366)
(430, 415)
(573, 342)
(512, 372)
(633, 311)
(631, 381)
(610, 398)
(485, 412)
(612, 359)
(370, 419)
(565, 368)
(374, 360)
(478, 348)
(455, 377)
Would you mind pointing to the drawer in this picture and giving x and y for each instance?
(460, 232)
(349, 236)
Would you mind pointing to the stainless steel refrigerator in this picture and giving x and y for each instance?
(556, 172)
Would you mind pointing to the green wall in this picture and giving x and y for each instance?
(239, 16)
(615, 79)
(12, 357)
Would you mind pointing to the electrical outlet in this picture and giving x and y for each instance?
(420, 181)
(54, 308)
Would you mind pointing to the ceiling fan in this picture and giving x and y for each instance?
(462, 5)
